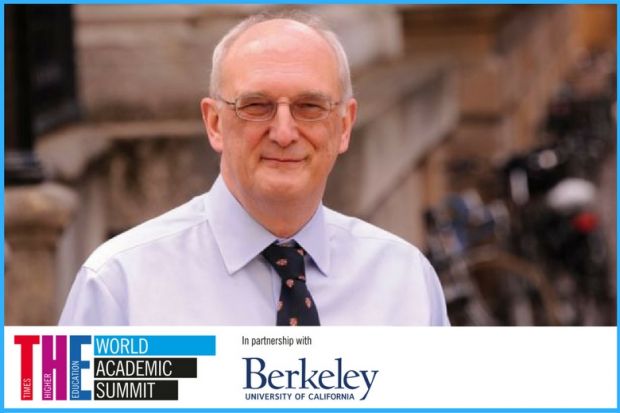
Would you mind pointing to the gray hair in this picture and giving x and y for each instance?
(222, 48)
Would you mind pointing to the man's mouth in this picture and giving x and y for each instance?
(283, 160)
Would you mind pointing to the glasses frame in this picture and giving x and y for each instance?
(277, 104)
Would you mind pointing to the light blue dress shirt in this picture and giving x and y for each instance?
(200, 264)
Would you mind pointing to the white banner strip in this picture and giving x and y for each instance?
(327, 367)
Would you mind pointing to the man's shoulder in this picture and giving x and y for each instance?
(166, 226)
(357, 230)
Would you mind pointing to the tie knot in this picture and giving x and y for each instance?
(287, 260)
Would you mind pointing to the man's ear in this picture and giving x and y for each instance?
(347, 124)
(211, 120)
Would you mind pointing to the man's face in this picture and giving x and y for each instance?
(282, 159)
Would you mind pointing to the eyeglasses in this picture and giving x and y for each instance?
(256, 108)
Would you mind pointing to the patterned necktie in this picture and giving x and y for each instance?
(296, 306)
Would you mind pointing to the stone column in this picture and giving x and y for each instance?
(35, 218)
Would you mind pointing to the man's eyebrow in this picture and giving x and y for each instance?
(304, 94)
(254, 95)
(312, 94)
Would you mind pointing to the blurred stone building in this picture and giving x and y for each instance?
(435, 84)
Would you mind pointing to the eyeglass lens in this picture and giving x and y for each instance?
(262, 108)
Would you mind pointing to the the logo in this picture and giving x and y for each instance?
(123, 367)
(302, 381)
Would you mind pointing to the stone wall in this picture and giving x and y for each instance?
(35, 217)
(510, 61)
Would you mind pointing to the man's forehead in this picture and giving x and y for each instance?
(278, 35)
(280, 54)
(279, 25)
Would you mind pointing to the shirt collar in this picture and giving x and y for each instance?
(240, 238)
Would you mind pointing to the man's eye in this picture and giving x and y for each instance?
(255, 107)
(310, 107)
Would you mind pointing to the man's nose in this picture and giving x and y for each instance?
(284, 126)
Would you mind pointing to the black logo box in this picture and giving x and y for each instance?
(136, 390)
(157, 367)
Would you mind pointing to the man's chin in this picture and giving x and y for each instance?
(284, 188)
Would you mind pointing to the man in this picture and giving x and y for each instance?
(259, 248)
